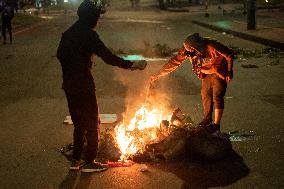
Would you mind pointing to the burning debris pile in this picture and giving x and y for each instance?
(153, 135)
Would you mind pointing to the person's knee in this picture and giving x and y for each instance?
(218, 102)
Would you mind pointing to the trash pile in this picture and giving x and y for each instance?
(176, 138)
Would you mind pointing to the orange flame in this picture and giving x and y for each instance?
(141, 130)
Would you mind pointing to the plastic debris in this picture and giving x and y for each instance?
(235, 136)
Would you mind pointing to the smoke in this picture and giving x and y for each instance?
(139, 93)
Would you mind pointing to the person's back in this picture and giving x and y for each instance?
(75, 54)
(72, 51)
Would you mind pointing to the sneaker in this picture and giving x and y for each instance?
(76, 164)
(213, 128)
(93, 167)
(216, 127)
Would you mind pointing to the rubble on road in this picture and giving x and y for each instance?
(176, 138)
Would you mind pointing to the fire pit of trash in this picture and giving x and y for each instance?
(154, 134)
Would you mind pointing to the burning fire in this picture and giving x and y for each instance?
(141, 130)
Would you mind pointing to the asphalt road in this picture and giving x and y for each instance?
(33, 107)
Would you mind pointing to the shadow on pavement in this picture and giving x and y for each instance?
(207, 174)
(70, 180)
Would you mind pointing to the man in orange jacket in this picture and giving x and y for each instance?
(213, 63)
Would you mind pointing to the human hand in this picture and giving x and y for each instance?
(140, 64)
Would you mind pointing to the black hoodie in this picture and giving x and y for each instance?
(76, 47)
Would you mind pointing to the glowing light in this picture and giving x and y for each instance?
(136, 57)
(141, 130)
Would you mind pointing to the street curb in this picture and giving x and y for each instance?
(264, 41)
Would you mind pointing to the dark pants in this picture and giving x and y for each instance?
(6, 24)
(213, 91)
(83, 109)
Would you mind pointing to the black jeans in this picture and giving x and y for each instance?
(83, 109)
(213, 91)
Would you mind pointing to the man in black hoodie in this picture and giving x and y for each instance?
(76, 47)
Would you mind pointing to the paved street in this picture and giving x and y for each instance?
(33, 107)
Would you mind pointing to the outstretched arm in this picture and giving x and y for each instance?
(172, 64)
(99, 48)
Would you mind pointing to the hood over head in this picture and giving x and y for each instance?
(195, 41)
(89, 12)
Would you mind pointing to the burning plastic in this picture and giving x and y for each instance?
(142, 129)
(148, 126)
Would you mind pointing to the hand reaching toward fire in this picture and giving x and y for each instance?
(139, 65)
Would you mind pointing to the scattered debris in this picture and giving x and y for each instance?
(274, 62)
(235, 136)
(242, 59)
(175, 138)
(267, 52)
